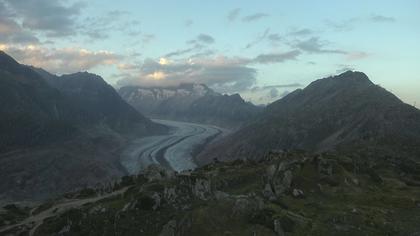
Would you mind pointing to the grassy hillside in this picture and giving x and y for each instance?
(283, 194)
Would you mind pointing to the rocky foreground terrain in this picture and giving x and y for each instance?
(284, 193)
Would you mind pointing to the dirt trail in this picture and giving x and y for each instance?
(34, 221)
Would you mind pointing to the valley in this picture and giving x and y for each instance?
(174, 150)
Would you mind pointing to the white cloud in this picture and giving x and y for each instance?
(62, 60)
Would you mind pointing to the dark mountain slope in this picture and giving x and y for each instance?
(60, 133)
(224, 110)
(100, 103)
(31, 111)
(345, 112)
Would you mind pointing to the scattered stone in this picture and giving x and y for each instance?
(271, 170)
(169, 229)
(246, 205)
(282, 182)
(219, 195)
(156, 198)
(325, 167)
(66, 228)
(297, 193)
(268, 192)
(278, 229)
(202, 189)
(169, 194)
(287, 179)
(157, 172)
(126, 207)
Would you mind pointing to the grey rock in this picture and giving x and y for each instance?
(157, 172)
(278, 229)
(297, 193)
(169, 194)
(268, 192)
(325, 167)
(169, 229)
(282, 182)
(202, 189)
(157, 199)
(219, 195)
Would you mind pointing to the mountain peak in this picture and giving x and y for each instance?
(356, 76)
(349, 80)
(83, 75)
(8, 63)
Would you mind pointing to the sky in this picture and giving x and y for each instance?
(259, 49)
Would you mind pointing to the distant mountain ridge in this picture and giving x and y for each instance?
(190, 102)
(148, 99)
(345, 112)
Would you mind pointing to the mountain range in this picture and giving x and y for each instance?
(339, 157)
(192, 103)
(345, 113)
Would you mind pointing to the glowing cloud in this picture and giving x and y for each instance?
(163, 61)
(157, 75)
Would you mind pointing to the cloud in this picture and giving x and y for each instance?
(205, 38)
(51, 17)
(274, 93)
(148, 38)
(221, 73)
(197, 45)
(254, 17)
(276, 57)
(382, 19)
(258, 39)
(357, 55)
(267, 94)
(274, 37)
(314, 45)
(345, 25)
(349, 24)
(203, 54)
(188, 23)
(301, 32)
(180, 52)
(233, 14)
(224, 74)
(343, 68)
(62, 60)
(100, 27)
(293, 85)
(12, 32)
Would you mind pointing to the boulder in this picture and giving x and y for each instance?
(202, 189)
(278, 229)
(169, 229)
(157, 172)
(297, 193)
